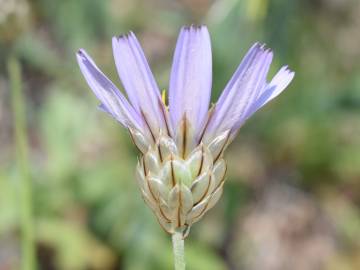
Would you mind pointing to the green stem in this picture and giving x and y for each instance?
(179, 250)
(18, 106)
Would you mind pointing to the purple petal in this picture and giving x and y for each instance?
(191, 77)
(112, 101)
(138, 81)
(241, 92)
(278, 84)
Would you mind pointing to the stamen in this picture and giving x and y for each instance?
(163, 97)
(164, 111)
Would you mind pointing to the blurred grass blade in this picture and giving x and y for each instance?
(18, 106)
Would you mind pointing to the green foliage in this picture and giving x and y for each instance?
(87, 207)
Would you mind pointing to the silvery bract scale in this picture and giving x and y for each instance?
(181, 169)
(180, 188)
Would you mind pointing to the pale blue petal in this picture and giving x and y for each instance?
(278, 84)
(112, 101)
(241, 92)
(138, 81)
(191, 77)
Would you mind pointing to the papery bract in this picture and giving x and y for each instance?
(181, 169)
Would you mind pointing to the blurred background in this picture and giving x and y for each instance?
(292, 197)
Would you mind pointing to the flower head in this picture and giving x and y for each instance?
(181, 170)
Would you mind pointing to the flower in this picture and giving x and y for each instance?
(181, 169)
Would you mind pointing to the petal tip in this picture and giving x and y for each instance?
(194, 27)
(120, 37)
(256, 46)
(289, 72)
(124, 38)
(82, 57)
(81, 53)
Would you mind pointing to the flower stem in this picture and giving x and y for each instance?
(26, 217)
(179, 250)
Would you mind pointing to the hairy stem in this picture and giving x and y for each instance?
(20, 136)
(179, 250)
